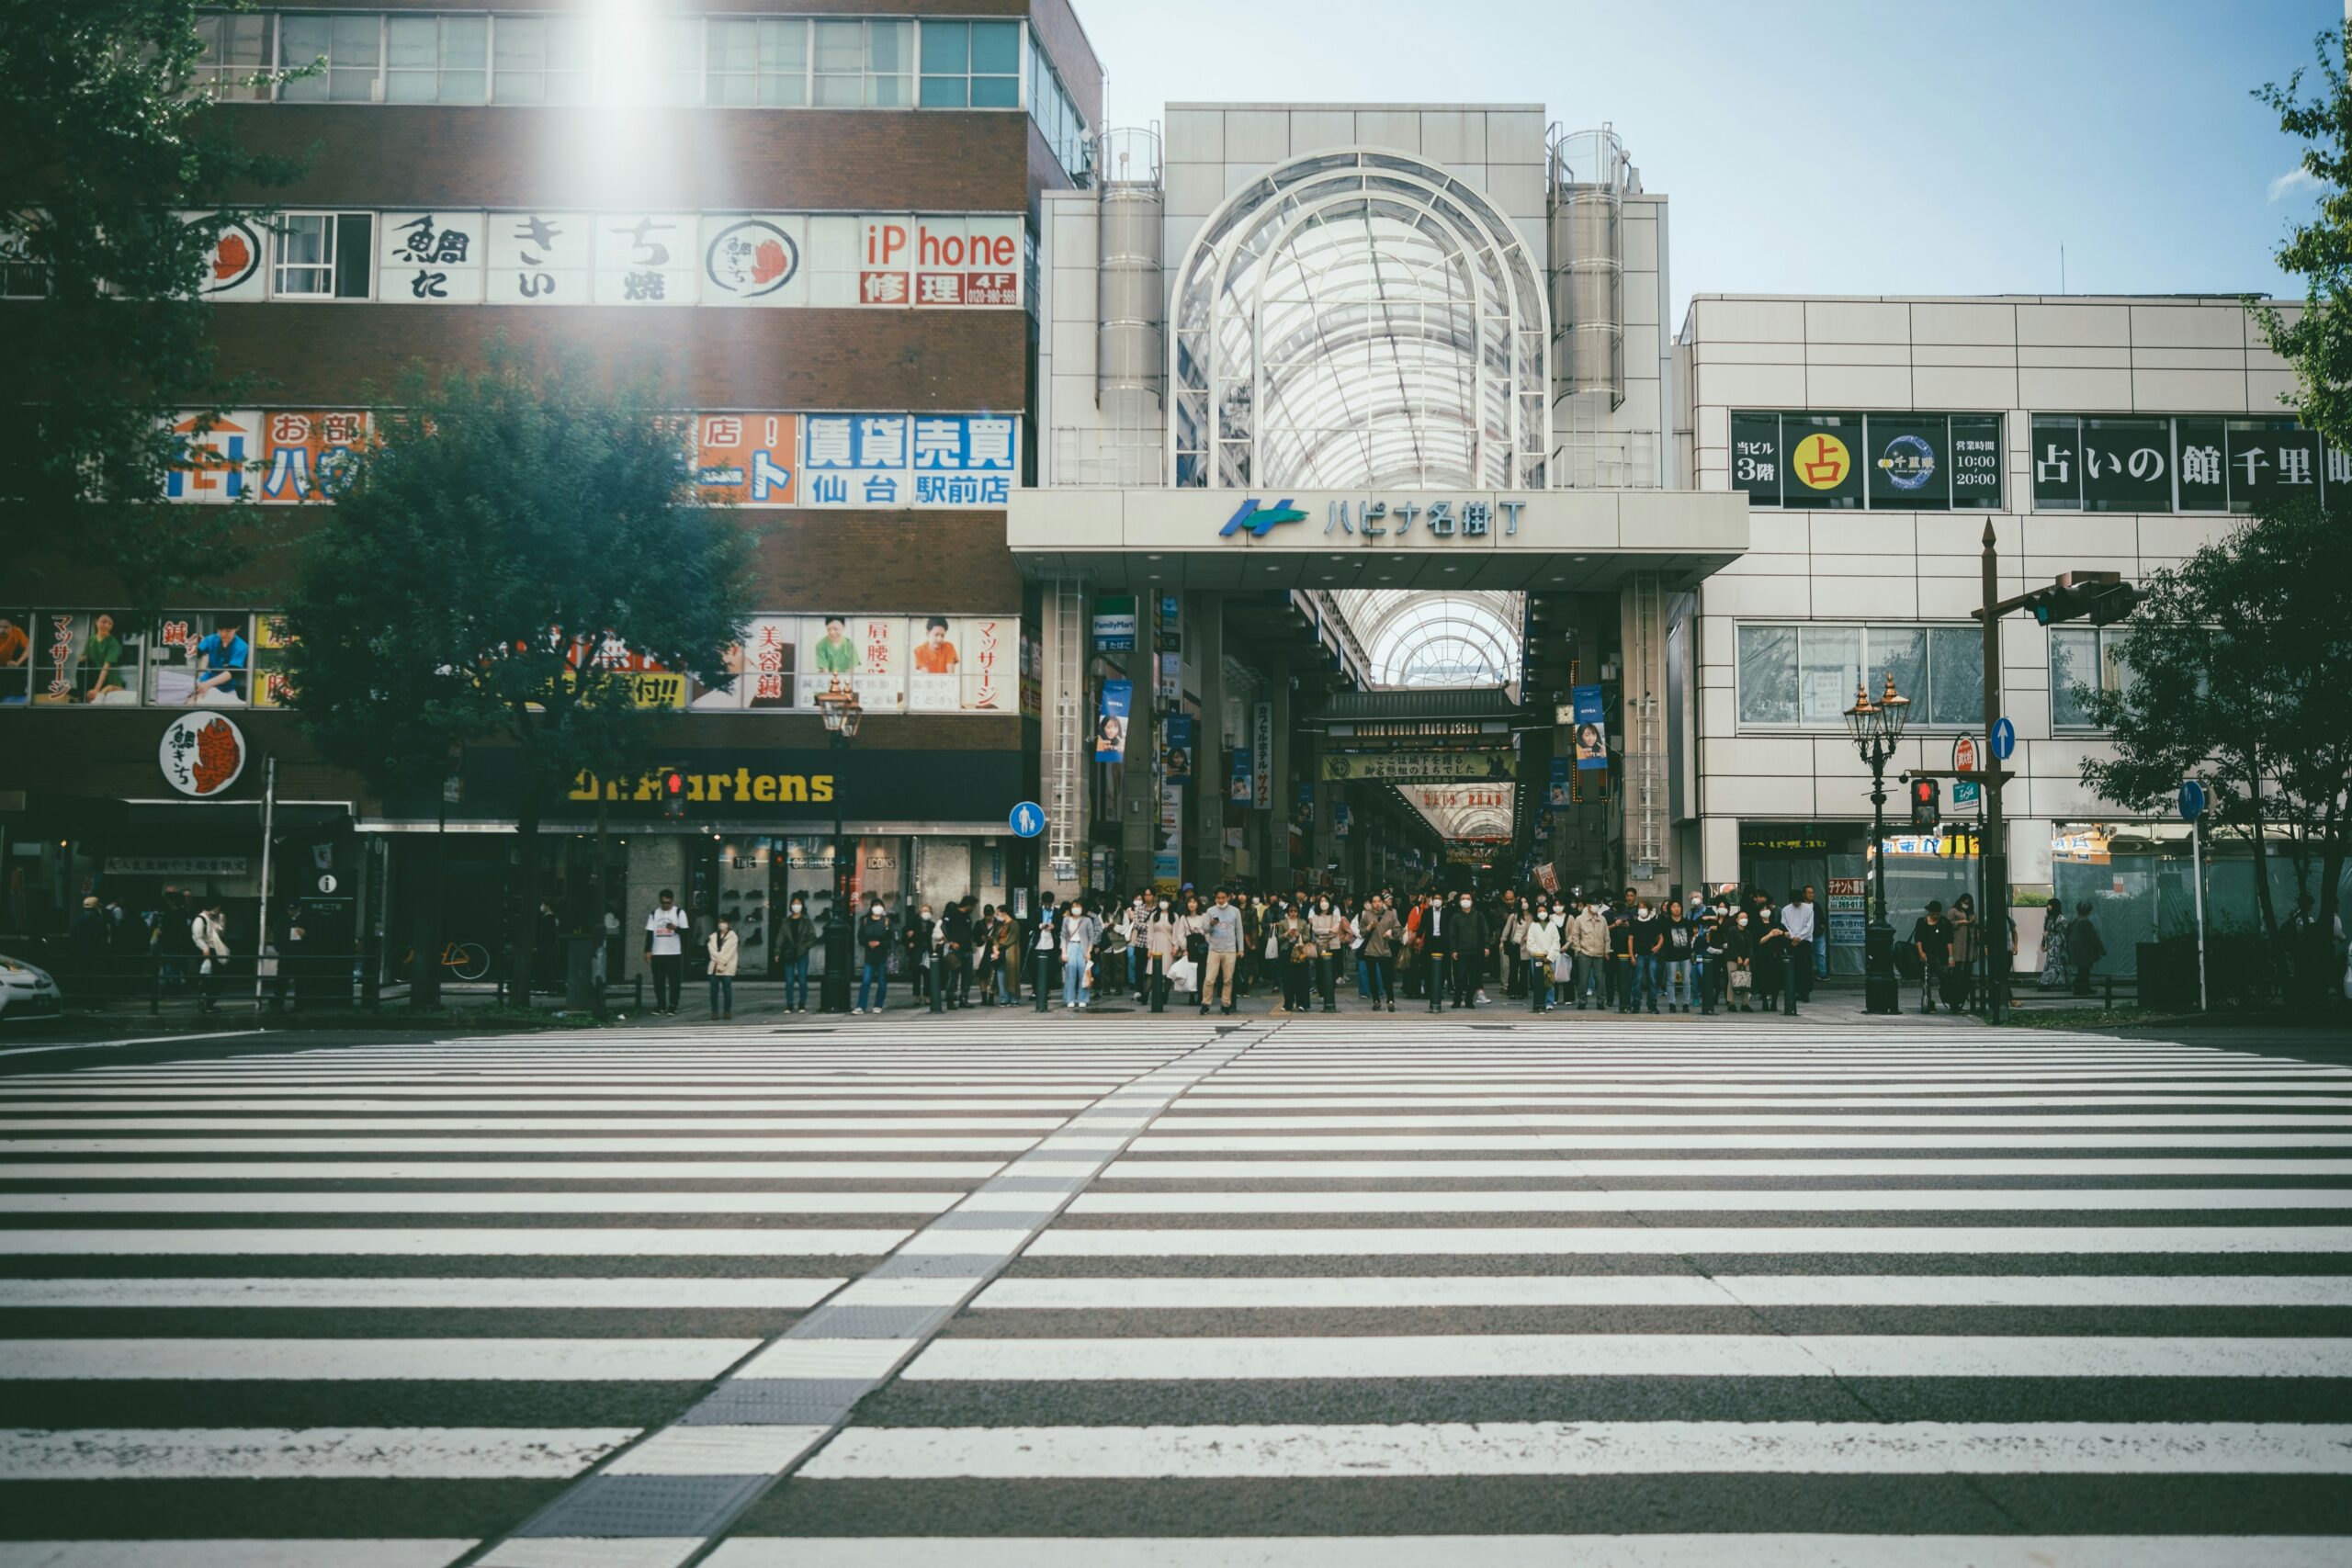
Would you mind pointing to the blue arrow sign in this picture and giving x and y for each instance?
(1028, 819)
(2005, 739)
(2192, 800)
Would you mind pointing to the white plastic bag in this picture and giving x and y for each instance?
(1184, 975)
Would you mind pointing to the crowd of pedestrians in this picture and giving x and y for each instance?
(1310, 951)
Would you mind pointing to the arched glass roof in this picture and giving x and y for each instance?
(1359, 319)
(1420, 639)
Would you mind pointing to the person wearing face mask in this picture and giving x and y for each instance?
(795, 938)
(1540, 947)
(1468, 949)
(1712, 945)
(1079, 931)
(1331, 937)
(1587, 942)
(1676, 956)
(1649, 963)
(1739, 955)
(1382, 936)
(873, 958)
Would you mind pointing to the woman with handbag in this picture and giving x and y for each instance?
(725, 950)
(1329, 927)
(1163, 939)
(1539, 949)
(1740, 956)
(1195, 926)
(1295, 938)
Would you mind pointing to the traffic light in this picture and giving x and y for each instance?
(2102, 598)
(1927, 802)
(674, 796)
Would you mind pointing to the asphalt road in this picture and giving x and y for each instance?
(1133, 1292)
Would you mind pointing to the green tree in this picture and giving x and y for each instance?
(2238, 661)
(504, 514)
(101, 153)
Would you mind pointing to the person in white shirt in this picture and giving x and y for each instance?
(210, 933)
(665, 950)
(1797, 916)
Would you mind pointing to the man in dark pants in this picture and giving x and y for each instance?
(1043, 945)
(1466, 949)
(665, 950)
(1434, 920)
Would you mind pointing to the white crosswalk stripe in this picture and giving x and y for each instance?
(1374, 1292)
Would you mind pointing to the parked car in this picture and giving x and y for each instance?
(26, 990)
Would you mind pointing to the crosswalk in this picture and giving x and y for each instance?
(1154, 1294)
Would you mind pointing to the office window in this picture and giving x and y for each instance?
(1956, 676)
(322, 255)
(353, 49)
(760, 61)
(1057, 118)
(235, 48)
(971, 65)
(436, 60)
(1768, 675)
(540, 59)
(1803, 675)
(864, 65)
(2084, 659)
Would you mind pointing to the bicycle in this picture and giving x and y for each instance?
(464, 960)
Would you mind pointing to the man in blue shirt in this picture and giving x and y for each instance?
(220, 660)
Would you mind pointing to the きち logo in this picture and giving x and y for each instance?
(1256, 519)
(234, 257)
(751, 259)
(202, 753)
(1822, 461)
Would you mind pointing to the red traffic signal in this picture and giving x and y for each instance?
(1927, 802)
(673, 794)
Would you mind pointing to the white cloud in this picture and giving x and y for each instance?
(2295, 179)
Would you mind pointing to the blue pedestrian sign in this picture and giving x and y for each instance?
(1028, 819)
(2192, 800)
(2005, 739)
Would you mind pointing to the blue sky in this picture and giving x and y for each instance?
(1830, 147)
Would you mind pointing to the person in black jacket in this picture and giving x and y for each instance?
(955, 961)
(873, 958)
(1467, 948)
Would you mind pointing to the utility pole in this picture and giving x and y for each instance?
(2100, 597)
(1993, 850)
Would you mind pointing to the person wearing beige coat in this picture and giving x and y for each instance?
(725, 950)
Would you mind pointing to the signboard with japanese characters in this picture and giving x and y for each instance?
(215, 458)
(429, 258)
(232, 269)
(310, 453)
(646, 258)
(539, 258)
(865, 654)
(934, 262)
(746, 459)
(894, 460)
(762, 664)
(958, 664)
(1886, 462)
(2094, 463)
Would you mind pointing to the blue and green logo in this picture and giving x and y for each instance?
(1258, 519)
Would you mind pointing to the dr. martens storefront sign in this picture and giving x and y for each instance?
(750, 787)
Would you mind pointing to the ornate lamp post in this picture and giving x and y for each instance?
(1876, 727)
(843, 713)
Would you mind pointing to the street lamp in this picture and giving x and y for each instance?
(1877, 727)
(839, 706)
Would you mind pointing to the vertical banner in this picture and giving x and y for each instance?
(1559, 796)
(1262, 757)
(1176, 757)
(1591, 739)
(1111, 721)
(1240, 789)
(1341, 820)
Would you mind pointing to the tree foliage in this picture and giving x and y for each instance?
(2240, 662)
(101, 152)
(504, 515)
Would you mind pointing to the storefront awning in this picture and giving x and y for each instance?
(1167, 540)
